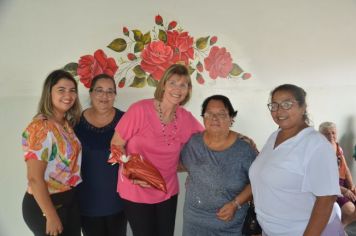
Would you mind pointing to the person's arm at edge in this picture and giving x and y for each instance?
(320, 215)
(38, 187)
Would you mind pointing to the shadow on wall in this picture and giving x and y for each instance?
(348, 142)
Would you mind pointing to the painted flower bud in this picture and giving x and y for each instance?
(213, 40)
(172, 25)
(200, 79)
(125, 30)
(246, 76)
(131, 56)
(122, 83)
(159, 20)
(200, 67)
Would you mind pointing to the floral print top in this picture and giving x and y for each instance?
(57, 145)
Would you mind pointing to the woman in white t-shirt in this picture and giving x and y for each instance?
(294, 179)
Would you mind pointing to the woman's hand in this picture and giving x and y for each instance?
(227, 212)
(353, 189)
(350, 195)
(53, 225)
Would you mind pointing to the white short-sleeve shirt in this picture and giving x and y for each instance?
(286, 180)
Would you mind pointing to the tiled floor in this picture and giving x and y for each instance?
(351, 229)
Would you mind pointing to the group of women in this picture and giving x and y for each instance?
(72, 188)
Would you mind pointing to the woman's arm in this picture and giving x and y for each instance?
(227, 212)
(320, 215)
(348, 176)
(119, 142)
(38, 187)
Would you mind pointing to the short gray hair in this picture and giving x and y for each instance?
(326, 125)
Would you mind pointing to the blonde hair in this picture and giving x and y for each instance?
(175, 69)
(45, 106)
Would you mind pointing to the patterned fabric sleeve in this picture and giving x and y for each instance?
(36, 141)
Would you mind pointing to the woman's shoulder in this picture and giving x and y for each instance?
(196, 138)
(38, 122)
(143, 102)
(313, 136)
(141, 106)
(185, 115)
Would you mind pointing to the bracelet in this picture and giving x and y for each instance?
(237, 204)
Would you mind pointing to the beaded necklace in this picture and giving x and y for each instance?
(170, 138)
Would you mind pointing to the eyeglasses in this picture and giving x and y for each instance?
(285, 105)
(211, 116)
(99, 92)
(177, 85)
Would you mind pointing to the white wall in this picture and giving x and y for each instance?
(308, 42)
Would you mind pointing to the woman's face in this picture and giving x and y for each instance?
(290, 117)
(63, 95)
(331, 134)
(176, 89)
(103, 94)
(216, 117)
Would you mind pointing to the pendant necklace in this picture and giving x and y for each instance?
(169, 138)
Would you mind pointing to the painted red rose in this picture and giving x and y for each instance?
(218, 63)
(89, 66)
(182, 46)
(156, 58)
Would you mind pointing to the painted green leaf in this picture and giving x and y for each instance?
(138, 82)
(44, 155)
(151, 81)
(162, 35)
(71, 68)
(236, 70)
(25, 135)
(53, 153)
(137, 35)
(190, 70)
(146, 39)
(139, 72)
(139, 46)
(202, 42)
(118, 45)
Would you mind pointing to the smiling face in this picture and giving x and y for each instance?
(291, 118)
(216, 117)
(63, 95)
(176, 89)
(103, 94)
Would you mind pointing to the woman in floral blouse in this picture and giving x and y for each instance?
(53, 158)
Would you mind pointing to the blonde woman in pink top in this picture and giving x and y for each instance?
(157, 129)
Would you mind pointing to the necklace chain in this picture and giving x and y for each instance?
(170, 138)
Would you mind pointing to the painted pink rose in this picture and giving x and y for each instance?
(182, 46)
(89, 66)
(156, 58)
(218, 63)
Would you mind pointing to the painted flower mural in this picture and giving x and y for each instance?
(143, 57)
(90, 66)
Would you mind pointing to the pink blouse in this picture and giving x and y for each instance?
(141, 128)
